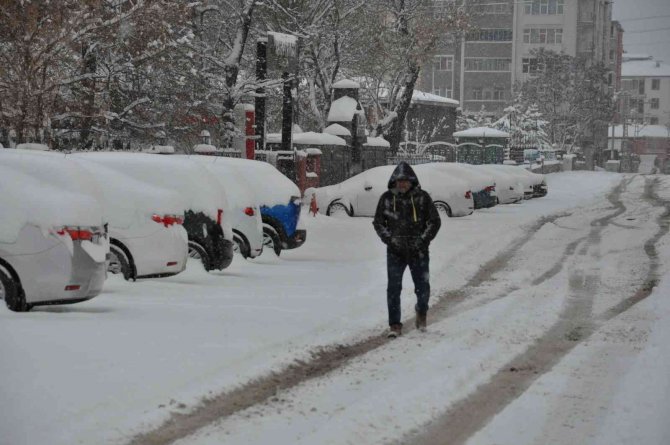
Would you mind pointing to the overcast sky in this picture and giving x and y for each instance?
(646, 16)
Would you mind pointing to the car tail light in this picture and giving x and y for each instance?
(219, 216)
(76, 233)
(172, 263)
(249, 211)
(167, 220)
(491, 188)
(71, 287)
(468, 195)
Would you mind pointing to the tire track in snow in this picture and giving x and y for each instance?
(576, 324)
(328, 359)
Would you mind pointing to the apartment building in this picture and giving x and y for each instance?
(646, 90)
(482, 68)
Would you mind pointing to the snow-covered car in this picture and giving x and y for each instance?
(534, 185)
(53, 245)
(279, 200)
(359, 195)
(245, 212)
(482, 184)
(210, 234)
(147, 239)
(509, 188)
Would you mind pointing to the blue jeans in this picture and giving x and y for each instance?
(418, 266)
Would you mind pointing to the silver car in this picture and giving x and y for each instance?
(53, 245)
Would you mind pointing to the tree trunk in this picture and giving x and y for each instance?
(394, 133)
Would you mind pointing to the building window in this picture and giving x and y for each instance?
(487, 64)
(640, 106)
(530, 65)
(543, 35)
(490, 35)
(653, 121)
(543, 7)
(499, 94)
(444, 63)
(477, 94)
(655, 103)
(492, 8)
(641, 86)
(444, 92)
(655, 84)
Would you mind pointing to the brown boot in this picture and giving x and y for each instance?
(420, 321)
(395, 331)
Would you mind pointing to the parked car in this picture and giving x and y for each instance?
(245, 212)
(509, 188)
(534, 185)
(53, 245)
(483, 185)
(147, 239)
(359, 195)
(210, 235)
(279, 200)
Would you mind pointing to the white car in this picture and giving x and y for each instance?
(147, 239)
(483, 185)
(359, 195)
(534, 184)
(210, 234)
(509, 188)
(245, 212)
(53, 246)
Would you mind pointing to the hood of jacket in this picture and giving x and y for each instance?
(404, 171)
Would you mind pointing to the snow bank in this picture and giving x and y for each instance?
(204, 148)
(160, 149)
(312, 138)
(32, 146)
(378, 142)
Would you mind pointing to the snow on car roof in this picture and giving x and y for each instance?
(483, 132)
(238, 190)
(126, 199)
(27, 200)
(478, 180)
(200, 190)
(269, 184)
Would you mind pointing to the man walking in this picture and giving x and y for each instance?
(406, 220)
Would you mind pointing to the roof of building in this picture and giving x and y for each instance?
(641, 131)
(346, 83)
(428, 98)
(481, 132)
(635, 56)
(308, 138)
(377, 142)
(645, 68)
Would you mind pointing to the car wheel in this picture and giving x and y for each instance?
(271, 240)
(337, 209)
(11, 292)
(118, 262)
(443, 209)
(197, 252)
(240, 246)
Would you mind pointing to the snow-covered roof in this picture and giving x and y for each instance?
(312, 138)
(204, 148)
(160, 149)
(337, 130)
(428, 98)
(32, 146)
(481, 132)
(343, 109)
(377, 142)
(645, 68)
(633, 56)
(642, 131)
(313, 151)
(346, 83)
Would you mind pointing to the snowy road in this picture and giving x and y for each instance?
(542, 316)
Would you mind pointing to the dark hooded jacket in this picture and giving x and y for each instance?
(406, 222)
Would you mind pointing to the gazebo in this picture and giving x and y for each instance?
(481, 145)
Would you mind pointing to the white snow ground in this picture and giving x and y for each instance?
(100, 371)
